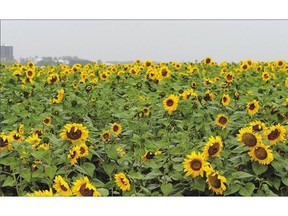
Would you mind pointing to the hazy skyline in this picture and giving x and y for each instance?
(158, 40)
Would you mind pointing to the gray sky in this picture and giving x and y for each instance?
(158, 40)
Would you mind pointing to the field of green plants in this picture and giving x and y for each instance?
(144, 129)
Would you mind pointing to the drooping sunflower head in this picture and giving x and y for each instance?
(83, 187)
(222, 120)
(171, 103)
(74, 154)
(105, 136)
(4, 143)
(213, 147)
(275, 134)
(248, 138)
(74, 132)
(215, 180)
(193, 164)
(261, 153)
(116, 128)
(122, 181)
(252, 107)
(225, 100)
(61, 186)
(258, 126)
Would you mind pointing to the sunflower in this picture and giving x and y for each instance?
(286, 82)
(265, 76)
(122, 181)
(41, 193)
(280, 63)
(34, 140)
(248, 138)
(104, 76)
(244, 66)
(275, 133)
(74, 132)
(14, 136)
(30, 64)
(221, 120)
(229, 77)
(146, 111)
(30, 73)
(258, 126)
(116, 128)
(83, 187)
(170, 103)
(225, 100)
(74, 154)
(164, 72)
(84, 151)
(188, 93)
(4, 143)
(213, 147)
(252, 107)
(149, 154)
(209, 96)
(120, 151)
(61, 186)
(194, 164)
(53, 78)
(105, 136)
(215, 180)
(261, 153)
(47, 121)
(208, 60)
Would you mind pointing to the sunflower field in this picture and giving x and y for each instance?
(144, 129)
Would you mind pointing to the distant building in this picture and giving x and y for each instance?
(6, 53)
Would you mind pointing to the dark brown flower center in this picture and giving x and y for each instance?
(257, 128)
(261, 153)
(208, 60)
(214, 181)
(274, 135)
(280, 63)
(170, 102)
(229, 77)
(106, 136)
(73, 155)
(104, 76)
(195, 164)
(266, 76)
(223, 120)
(150, 155)
(213, 149)
(225, 99)
(16, 137)
(115, 128)
(54, 79)
(249, 139)
(74, 135)
(85, 191)
(164, 73)
(3, 142)
(252, 106)
(29, 73)
(244, 66)
(46, 121)
(145, 110)
(82, 150)
(63, 187)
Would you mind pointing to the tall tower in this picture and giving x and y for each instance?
(6, 53)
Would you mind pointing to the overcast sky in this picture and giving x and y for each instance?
(158, 40)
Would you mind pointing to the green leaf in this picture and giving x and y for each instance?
(166, 188)
(135, 175)
(89, 168)
(9, 161)
(26, 174)
(241, 175)
(232, 189)
(259, 169)
(50, 171)
(200, 184)
(247, 190)
(145, 190)
(109, 168)
(103, 191)
(9, 181)
(285, 180)
(112, 153)
(39, 154)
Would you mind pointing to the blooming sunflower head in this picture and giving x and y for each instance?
(265, 76)
(83, 150)
(15, 136)
(187, 94)
(30, 73)
(53, 78)
(225, 100)
(193, 164)
(258, 126)
(47, 121)
(74, 154)
(83, 187)
(42, 193)
(116, 128)
(149, 154)
(61, 186)
(261, 153)
(146, 111)
(74, 132)
(105, 136)
(248, 138)
(229, 77)
(213, 147)
(170, 103)
(252, 107)
(215, 180)
(122, 181)
(275, 133)
(221, 120)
